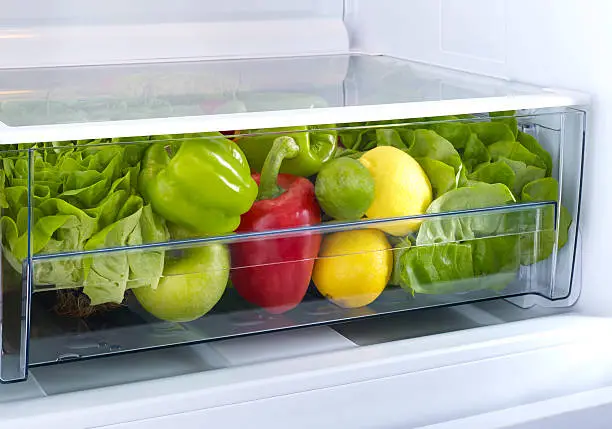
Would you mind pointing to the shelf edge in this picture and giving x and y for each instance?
(286, 118)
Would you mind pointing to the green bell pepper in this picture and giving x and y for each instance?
(316, 147)
(204, 186)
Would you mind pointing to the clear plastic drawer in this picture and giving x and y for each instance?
(123, 244)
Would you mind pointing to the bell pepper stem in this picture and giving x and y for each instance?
(283, 148)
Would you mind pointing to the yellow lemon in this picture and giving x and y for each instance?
(401, 187)
(353, 267)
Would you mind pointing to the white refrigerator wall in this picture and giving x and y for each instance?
(36, 13)
(556, 43)
(72, 32)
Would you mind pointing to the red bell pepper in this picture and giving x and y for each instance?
(274, 273)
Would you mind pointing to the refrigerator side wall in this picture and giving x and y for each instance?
(544, 42)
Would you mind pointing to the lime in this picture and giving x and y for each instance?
(344, 189)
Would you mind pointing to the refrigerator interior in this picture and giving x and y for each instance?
(60, 325)
(482, 37)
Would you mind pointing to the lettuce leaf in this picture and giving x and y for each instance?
(146, 266)
(441, 176)
(435, 269)
(358, 139)
(390, 137)
(516, 152)
(428, 144)
(475, 153)
(514, 174)
(530, 143)
(496, 260)
(523, 174)
(462, 253)
(84, 198)
(460, 228)
(495, 172)
(506, 117)
(492, 132)
(538, 246)
(457, 133)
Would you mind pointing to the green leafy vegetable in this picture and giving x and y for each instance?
(475, 153)
(400, 246)
(496, 260)
(514, 174)
(389, 137)
(458, 133)
(359, 139)
(531, 144)
(435, 269)
(494, 172)
(516, 152)
(506, 117)
(523, 174)
(146, 267)
(428, 144)
(441, 176)
(472, 164)
(463, 252)
(458, 228)
(84, 198)
(107, 275)
(538, 246)
(492, 132)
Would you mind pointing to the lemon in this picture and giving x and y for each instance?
(353, 267)
(401, 187)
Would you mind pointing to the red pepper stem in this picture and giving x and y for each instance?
(283, 148)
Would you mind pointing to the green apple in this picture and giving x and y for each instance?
(190, 286)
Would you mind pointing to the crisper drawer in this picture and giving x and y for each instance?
(123, 244)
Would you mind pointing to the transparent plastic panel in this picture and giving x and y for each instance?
(159, 240)
(562, 136)
(224, 287)
(15, 263)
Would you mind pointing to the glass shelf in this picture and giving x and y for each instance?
(72, 103)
